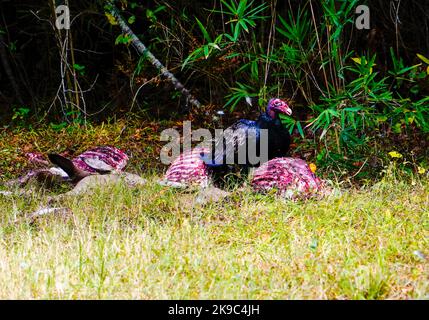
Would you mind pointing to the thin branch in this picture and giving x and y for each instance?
(142, 49)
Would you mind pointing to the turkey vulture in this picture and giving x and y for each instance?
(96, 160)
(100, 160)
(197, 166)
(291, 177)
(188, 169)
(243, 131)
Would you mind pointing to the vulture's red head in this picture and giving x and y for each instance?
(276, 106)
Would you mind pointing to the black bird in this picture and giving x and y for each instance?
(243, 133)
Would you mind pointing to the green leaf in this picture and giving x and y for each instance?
(131, 19)
(78, 67)
(244, 26)
(204, 31)
(193, 56)
(229, 37)
(408, 69)
(111, 19)
(241, 7)
(206, 51)
(123, 39)
(415, 89)
(236, 32)
(299, 127)
(232, 9)
(150, 15)
(423, 58)
(160, 8)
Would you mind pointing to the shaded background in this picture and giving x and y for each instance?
(30, 49)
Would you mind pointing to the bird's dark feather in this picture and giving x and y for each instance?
(278, 139)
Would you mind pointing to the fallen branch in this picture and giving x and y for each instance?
(142, 49)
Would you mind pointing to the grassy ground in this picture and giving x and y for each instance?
(154, 242)
(157, 243)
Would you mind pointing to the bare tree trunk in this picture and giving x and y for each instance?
(142, 49)
(8, 69)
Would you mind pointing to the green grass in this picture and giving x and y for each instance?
(157, 243)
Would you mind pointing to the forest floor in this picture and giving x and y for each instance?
(154, 242)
